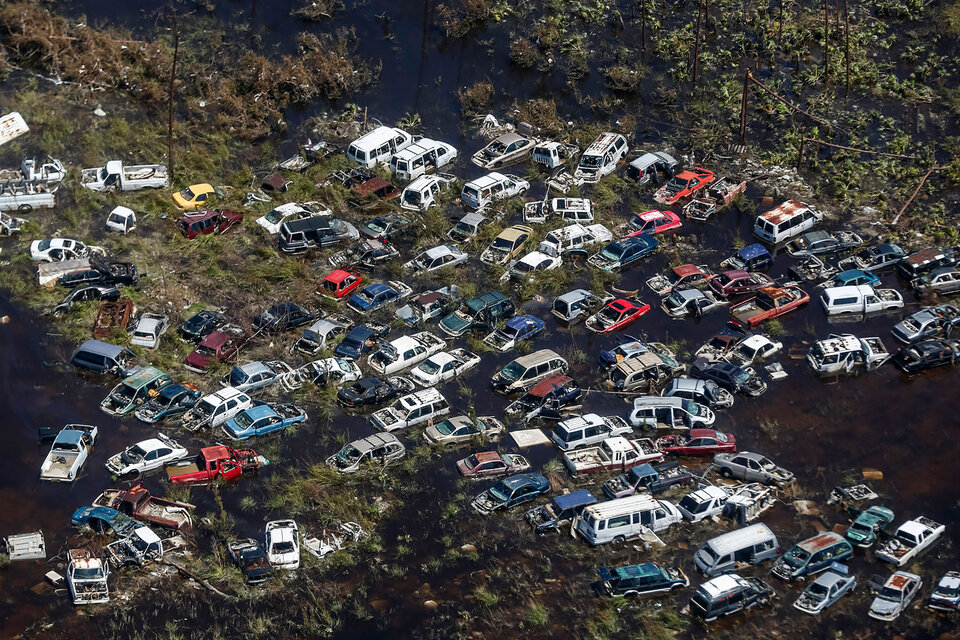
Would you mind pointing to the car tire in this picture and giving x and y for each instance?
(25, 208)
(726, 473)
(619, 540)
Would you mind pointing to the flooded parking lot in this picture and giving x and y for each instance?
(435, 569)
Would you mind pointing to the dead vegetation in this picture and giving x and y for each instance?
(220, 83)
(477, 98)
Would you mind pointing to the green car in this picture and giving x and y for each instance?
(135, 390)
(863, 531)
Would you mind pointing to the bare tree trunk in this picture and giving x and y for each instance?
(696, 43)
(743, 108)
(846, 46)
(826, 39)
(173, 76)
(643, 29)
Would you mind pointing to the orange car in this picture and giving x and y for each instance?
(684, 184)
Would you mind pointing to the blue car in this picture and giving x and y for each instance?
(509, 492)
(361, 339)
(103, 519)
(630, 347)
(378, 295)
(171, 401)
(263, 420)
(623, 254)
(754, 257)
(853, 278)
(513, 331)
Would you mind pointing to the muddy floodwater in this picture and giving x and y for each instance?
(826, 431)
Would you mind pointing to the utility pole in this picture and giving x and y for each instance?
(173, 76)
(846, 46)
(643, 29)
(696, 43)
(743, 108)
(826, 39)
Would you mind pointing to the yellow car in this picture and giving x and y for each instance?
(196, 196)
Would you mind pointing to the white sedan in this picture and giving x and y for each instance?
(445, 255)
(146, 455)
(444, 366)
(291, 211)
(149, 328)
(59, 249)
(283, 544)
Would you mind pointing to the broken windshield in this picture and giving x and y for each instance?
(796, 557)
(349, 454)
(612, 253)
(591, 162)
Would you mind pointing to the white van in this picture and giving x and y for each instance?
(624, 518)
(424, 192)
(423, 156)
(378, 146)
(721, 554)
(786, 221)
(573, 209)
(857, 300)
(574, 238)
(479, 193)
(601, 157)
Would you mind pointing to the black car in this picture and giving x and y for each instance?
(386, 227)
(283, 316)
(201, 325)
(374, 391)
(85, 294)
(252, 560)
(927, 355)
(729, 376)
(361, 339)
(102, 272)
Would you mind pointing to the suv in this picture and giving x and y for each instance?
(524, 372)
(216, 408)
(379, 448)
(410, 410)
(481, 312)
(591, 429)
(208, 221)
(647, 369)
(300, 235)
(601, 157)
(669, 413)
(728, 594)
(706, 392)
(811, 556)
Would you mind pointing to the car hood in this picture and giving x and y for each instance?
(198, 360)
(884, 607)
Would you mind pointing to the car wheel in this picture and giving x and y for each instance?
(726, 473)
(25, 208)
(619, 540)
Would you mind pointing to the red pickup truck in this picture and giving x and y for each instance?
(137, 503)
(213, 463)
(770, 302)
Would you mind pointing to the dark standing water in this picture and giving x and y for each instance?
(907, 428)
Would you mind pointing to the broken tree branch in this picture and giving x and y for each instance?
(915, 192)
(784, 101)
(182, 569)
